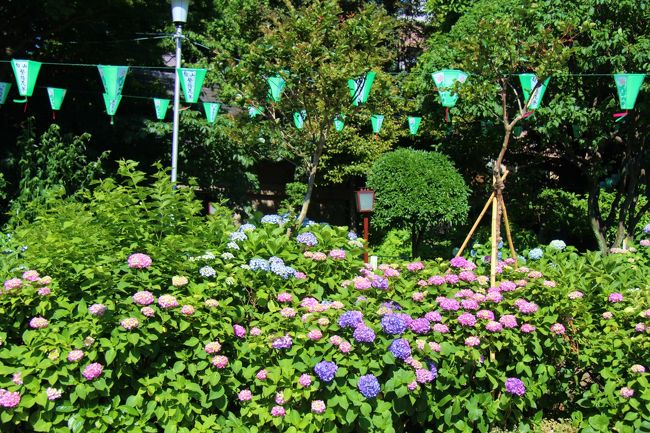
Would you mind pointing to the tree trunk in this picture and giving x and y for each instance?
(311, 180)
(595, 219)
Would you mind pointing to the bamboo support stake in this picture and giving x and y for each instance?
(494, 254)
(478, 220)
(508, 234)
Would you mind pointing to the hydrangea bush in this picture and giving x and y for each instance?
(215, 326)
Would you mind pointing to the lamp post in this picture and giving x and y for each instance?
(179, 16)
(365, 205)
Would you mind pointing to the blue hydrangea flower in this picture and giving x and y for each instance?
(393, 324)
(557, 244)
(352, 236)
(364, 334)
(535, 254)
(257, 264)
(247, 227)
(307, 222)
(400, 348)
(273, 219)
(207, 271)
(368, 386)
(238, 236)
(232, 246)
(351, 319)
(307, 238)
(325, 370)
(646, 229)
(380, 283)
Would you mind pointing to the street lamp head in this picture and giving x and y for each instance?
(365, 200)
(179, 11)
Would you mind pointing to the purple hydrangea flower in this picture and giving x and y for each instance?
(369, 386)
(325, 370)
(351, 319)
(392, 324)
(515, 386)
(307, 238)
(364, 334)
(400, 348)
(282, 343)
(420, 326)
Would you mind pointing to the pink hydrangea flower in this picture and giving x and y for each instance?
(139, 261)
(285, 297)
(508, 321)
(288, 312)
(521, 283)
(278, 411)
(211, 303)
(361, 283)
(467, 276)
(467, 319)
(45, 280)
(255, 331)
(557, 328)
(262, 374)
(44, 291)
(75, 355)
(436, 280)
(323, 321)
(318, 406)
(245, 395)
(13, 283)
(212, 347)
(412, 386)
(93, 371)
(637, 368)
(220, 361)
(640, 327)
(415, 266)
(494, 296)
(485, 315)
(433, 316)
(179, 281)
(469, 304)
(615, 297)
(279, 398)
(391, 272)
(305, 380)
(435, 347)
(527, 328)
(130, 323)
(315, 334)
(187, 310)
(300, 276)
(452, 279)
(472, 341)
(337, 254)
(336, 340)
(418, 296)
(345, 347)
(31, 275)
(167, 302)
(97, 309)
(9, 399)
(53, 393)
(575, 295)
(144, 298)
(549, 283)
(440, 328)
(535, 274)
(493, 326)
(38, 323)
(147, 311)
(607, 315)
(626, 392)
(645, 243)
(17, 378)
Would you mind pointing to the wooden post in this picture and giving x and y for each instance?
(365, 237)
(508, 234)
(495, 252)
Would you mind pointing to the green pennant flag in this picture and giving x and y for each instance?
(26, 72)
(113, 78)
(211, 111)
(299, 119)
(161, 106)
(253, 112)
(192, 83)
(445, 81)
(376, 120)
(360, 88)
(339, 122)
(56, 97)
(414, 124)
(276, 87)
(4, 92)
(628, 87)
(528, 83)
(111, 104)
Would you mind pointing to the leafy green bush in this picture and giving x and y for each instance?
(417, 190)
(209, 326)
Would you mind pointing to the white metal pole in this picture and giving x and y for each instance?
(177, 98)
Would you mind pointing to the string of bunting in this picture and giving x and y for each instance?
(447, 82)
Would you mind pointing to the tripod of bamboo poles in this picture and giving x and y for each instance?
(498, 205)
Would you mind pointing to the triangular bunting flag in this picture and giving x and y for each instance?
(111, 104)
(276, 86)
(532, 98)
(628, 87)
(339, 122)
(376, 120)
(26, 72)
(299, 119)
(211, 111)
(56, 99)
(445, 81)
(161, 106)
(360, 88)
(192, 83)
(414, 124)
(113, 78)
(4, 92)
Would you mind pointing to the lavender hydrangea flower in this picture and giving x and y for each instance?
(380, 283)
(351, 319)
(400, 348)
(273, 219)
(307, 238)
(364, 334)
(326, 370)
(515, 386)
(257, 264)
(282, 343)
(369, 386)
(392, 324)
(420, 326)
